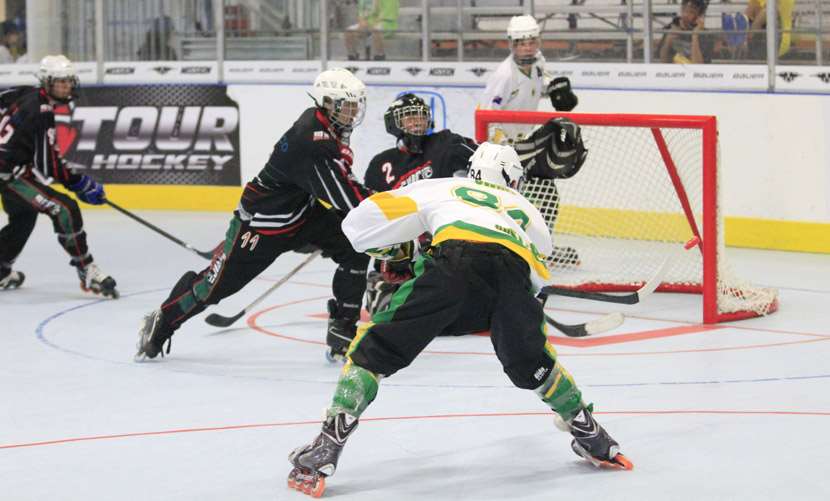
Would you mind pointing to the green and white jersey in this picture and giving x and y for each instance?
(453, 209)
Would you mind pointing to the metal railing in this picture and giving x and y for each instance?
(423, 30)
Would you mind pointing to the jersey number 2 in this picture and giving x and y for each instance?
(387, 169)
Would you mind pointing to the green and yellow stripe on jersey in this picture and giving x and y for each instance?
(460, 230)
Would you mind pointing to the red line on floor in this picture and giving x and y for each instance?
(585, 342)
(634, 336)
(414, 418)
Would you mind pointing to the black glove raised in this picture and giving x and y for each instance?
(561, 96)
(553, 151)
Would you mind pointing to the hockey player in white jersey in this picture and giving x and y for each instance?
(520, 81)
(489, 244)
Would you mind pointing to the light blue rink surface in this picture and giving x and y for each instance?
(736, 413)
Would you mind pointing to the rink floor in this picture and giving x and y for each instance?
(739, 411)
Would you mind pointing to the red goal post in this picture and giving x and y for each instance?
(650, 182)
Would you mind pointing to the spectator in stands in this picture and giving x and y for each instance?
(685, 42)
(9, 42)
(158, 42)
(375, 18)
(756, 13)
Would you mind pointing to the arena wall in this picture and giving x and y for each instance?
(774, 155)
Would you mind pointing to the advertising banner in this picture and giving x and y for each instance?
(802, 79)
(131, 72)
(722, 77)
(153, 134)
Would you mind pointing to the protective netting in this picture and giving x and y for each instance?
(618, 218)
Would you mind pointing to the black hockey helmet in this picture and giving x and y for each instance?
(409, 119)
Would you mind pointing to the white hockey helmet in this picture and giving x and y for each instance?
(343, 97)
(56, 68)
(496, 164)
(521, 27)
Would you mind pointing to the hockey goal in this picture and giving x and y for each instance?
(649, 184)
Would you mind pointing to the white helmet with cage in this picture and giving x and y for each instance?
(522, 27)
(54, 68)
(343, 97)
(496, 164)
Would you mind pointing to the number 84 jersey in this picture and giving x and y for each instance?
(453, 209)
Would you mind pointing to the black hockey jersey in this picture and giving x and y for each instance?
(28, 137)
(444, 153)
(307, 164)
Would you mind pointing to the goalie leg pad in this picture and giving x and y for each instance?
(356, 389)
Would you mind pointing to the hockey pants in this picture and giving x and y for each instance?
(23, 199)
(432, 303)
(247, 252)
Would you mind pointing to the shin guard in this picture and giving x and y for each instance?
(560, 392)
(355, 390)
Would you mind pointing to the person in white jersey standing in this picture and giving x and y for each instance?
(518, 84)
(520, 81)
(488, 245)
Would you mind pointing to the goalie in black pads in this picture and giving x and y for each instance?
(281, 211)
(488, 247)
(29, 162)
(553, 151)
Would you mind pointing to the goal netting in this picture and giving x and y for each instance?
(650, 183)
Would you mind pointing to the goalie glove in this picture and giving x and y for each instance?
(561, 96)
(553, 151)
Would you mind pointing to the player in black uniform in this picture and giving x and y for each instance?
(280, 211)
(417, 155)
(29, 162)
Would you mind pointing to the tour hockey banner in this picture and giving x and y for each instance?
(152, 134)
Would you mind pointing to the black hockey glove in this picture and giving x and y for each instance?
(553, 151)
(561, 96)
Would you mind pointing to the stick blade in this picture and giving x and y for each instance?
(605, 323)
(217, 320)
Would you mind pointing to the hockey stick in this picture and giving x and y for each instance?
(204, 254)
(630, 298)
(217, 320)
(602, 324)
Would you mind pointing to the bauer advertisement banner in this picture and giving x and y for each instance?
(153, 134)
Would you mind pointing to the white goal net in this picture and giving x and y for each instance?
(650, 184)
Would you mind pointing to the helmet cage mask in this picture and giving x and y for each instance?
(341, 97)
(345, 113)
(410, 120)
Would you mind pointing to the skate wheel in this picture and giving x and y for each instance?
(313, 485)
(623, 462)
(319, 488)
